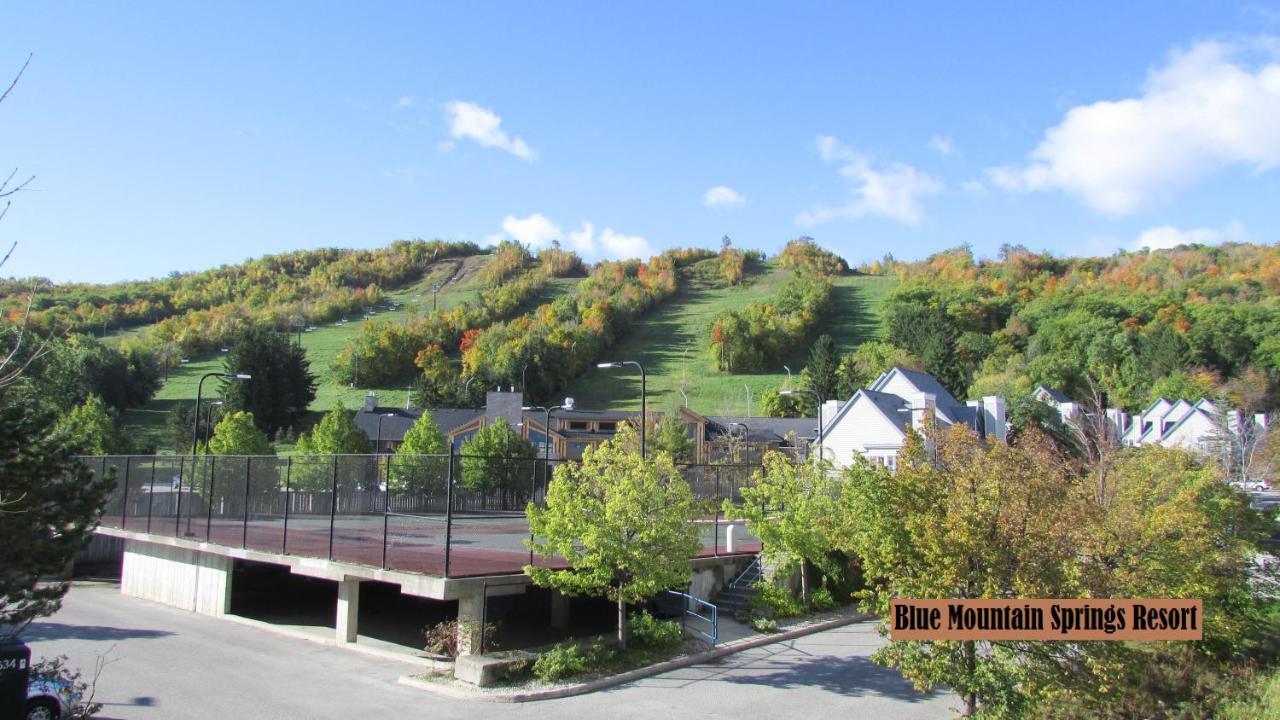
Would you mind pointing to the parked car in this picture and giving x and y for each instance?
(51, 699)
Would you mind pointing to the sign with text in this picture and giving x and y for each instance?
(1041, 619)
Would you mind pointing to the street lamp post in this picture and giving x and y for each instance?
(817, 397)
(195, 420)
(208, 420)
(644, 408)
(382, 417)
(546, 426)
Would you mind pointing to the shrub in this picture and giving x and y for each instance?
(775, 601)
(562, 661)
(55, 670)
(649, 631)
(765, 625)
(821, 600)
(442, 638)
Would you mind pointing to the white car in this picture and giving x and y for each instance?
(50, 699)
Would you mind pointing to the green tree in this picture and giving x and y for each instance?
(822, 374)
(497, 458)
(775, 404)
(335, 434)
(869, 361)
(93, 425)
(410, 472)
(671, 436)
(281, 386)
(49, 505)
(623, 525)
(236, 434)
(792, 507)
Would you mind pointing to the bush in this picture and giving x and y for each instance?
(442, 638)
(55, 670)
(775, 601)
(765, 625)
(821, 600)
(649, 631)
(562, 661)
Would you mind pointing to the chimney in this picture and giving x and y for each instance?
(828, 412)
(993, 417)
(506, 405)
(922, 407)
(370, 402)
(1260, 420)
(978, 427)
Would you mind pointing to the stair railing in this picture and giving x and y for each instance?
(754, 565)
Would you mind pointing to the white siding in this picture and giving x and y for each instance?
(1191, 434)
(898, 384)
(862, 426)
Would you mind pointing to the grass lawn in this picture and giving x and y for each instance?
(673, 343)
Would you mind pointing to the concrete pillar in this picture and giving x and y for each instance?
(348, 618)
(559, 611)
(187, 579)
(470, 616)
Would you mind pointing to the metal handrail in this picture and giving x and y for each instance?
(753, 565)
(714, 618)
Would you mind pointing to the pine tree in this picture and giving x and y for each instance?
(281, 385)
(822, 374)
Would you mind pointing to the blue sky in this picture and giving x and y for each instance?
(177, 136)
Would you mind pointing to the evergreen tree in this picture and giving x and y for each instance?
(49, 506)
(822, 374)
(281, 386)
(236, 434)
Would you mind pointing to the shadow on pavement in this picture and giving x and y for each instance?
(37, 631)
(851, 677)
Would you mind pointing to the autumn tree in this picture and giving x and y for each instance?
(962, 520)
(623, 526)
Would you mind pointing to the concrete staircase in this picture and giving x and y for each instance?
(736, 596)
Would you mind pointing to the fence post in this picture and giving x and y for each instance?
(124, 502)
(288, 475)
(208, 523)
(333, 505)
(248, 475)
(386, 509)
(717, 534)
(151, 493)
(448, 510)
(177, 513)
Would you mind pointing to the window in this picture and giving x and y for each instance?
(607, 427)
(579, 425)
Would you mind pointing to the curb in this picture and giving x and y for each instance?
(638, 673)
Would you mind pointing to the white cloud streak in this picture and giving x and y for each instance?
(893, 191)
(722, 195)
(1168, 236)
(537, 231)
(468, 120)
(1211, 106)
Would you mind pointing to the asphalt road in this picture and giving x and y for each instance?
(166, 663)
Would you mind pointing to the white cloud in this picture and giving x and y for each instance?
(538, 231)
(893, 191)
(405, 101)
(535, 231)
(468, 120)
(1168, 236)
(722, 195)
(943, 144)
(1208, 108)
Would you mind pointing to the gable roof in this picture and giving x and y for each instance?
(1056, 395)
(888, 405)
(921, 381)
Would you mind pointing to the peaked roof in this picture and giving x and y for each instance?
(921, 381)
(1056, 395)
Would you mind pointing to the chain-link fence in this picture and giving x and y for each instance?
(448, 515)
